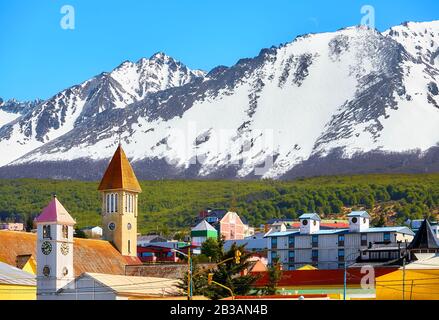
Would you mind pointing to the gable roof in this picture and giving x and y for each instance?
(88, 256)
(424, 238)
(311, 216)
(204, 226)
(15, 276)
(361, 214)
(120, 174)
(55, 212)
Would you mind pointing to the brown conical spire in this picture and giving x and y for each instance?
(120, 174)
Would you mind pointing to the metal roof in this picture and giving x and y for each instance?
(204, 226)
(312, 216)
(132, 285)
(362, 214)
(14, 276)
(403, 230)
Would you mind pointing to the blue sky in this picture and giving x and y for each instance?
(38, 58)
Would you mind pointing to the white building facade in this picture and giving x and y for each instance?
(330, 249)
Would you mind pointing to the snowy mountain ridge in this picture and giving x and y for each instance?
(307, 107)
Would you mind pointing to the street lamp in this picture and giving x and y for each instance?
(345, 272)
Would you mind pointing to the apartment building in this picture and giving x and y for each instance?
(330, 249)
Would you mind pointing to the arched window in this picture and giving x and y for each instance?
(112, 203)
(46, 232)
(115, 202)
(65, 231)
(108, 203)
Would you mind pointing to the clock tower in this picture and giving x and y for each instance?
(54, 250)
(120, 189)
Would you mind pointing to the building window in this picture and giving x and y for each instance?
(315, 255)
(129, 203)
(340, 254)
(274, 242)
(291, 256)
(315, 241)
(341, 265)
(386, 236)
(112, 202)
(273, 255)
(291, 267)
(65, 232)
(129, 246)
(291, 241)
(46, 232)
(364, 239)
(341, 240)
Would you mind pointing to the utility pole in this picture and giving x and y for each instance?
(189, 274)
(344, 280)
(403, 278)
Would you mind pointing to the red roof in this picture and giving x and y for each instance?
(299, 278)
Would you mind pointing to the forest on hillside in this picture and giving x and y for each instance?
(169, 206)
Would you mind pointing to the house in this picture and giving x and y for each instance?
(415, 225)
(16, 284)
(144, 241)
(330, 249)
(256, 244)
(95, 286)
(157, 254)
(230, 225)
(26, 262)
(93, 232)
(416, 276)
(203, 231)
(12, 226)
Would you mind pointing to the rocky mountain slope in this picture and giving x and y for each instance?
(351, 101)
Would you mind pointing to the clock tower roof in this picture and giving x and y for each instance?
(120, 174)
(55, 212)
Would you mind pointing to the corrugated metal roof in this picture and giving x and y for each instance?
(362, 214)
(204, 226)
(89, 255)
(132, 285)
(14, 276)
(312, 216)
(403, 230)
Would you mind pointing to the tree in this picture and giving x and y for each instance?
(274, 275)
(212, 248)
(228, 273)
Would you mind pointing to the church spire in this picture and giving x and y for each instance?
(120, 174)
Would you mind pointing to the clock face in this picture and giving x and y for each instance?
(354, 220)
(305, 222)
(111, 226)
(46, 248)
(46, 271)
(64, 248)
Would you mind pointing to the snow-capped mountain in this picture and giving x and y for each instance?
(351, 101)
(11, 110)
(128, 83)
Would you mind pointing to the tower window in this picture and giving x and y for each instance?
(129, 246)
(112, 202)
(65, 232)
(46, 232)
